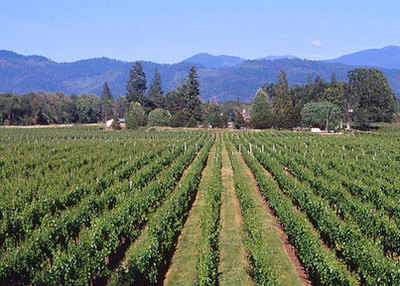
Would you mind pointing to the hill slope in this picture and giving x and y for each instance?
(213, 62)
(387, 57)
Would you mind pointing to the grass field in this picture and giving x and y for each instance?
(81, 206)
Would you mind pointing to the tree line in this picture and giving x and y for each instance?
(364, 98)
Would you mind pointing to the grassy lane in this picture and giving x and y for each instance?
(120, 275)
(233, 262)
(182, 270)
(276, 244)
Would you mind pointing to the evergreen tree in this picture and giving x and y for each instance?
(261, 111)
(319, 89)
(192, 93)
(136, 86)
(156, 92)
(282, 101)
(107, 102)
(192, 84)
(175, 101)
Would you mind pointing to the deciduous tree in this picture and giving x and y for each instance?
(261, 111)
(136, 116)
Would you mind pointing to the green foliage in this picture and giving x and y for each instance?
(136, 87)
(374, 96)
(263, 271)
(135, 116)
(146, 257)
(322, 266)
(72, 196)
(324, 115)
(192, 122)
(208, 260)
(215, 117)
(350, 225)
(282, 102)
(239, 121)
(178, 119)
(232, 107)
(261, 111)
(87, 108)
(90, 201)
(159, 117)
(156, 92)
(116, 125)
(186, 99)
(281, 99)
(107, 103)
(192, 84)
(121, 106)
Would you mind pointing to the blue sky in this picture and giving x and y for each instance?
(171, 30)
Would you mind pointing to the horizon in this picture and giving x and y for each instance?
(214, 55)
(173, 30)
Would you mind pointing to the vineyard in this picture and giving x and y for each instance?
(84, 206)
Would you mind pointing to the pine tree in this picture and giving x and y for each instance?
(193, 84)
(136, 86)
(107, 103)
(192, 93)
(156, 92)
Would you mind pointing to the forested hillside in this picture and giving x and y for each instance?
(23, 74)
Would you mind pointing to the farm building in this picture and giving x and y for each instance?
(246, 115)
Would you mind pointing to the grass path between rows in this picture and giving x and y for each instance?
(123, 264)
(182, 270)
(275, 238)
(233, 263)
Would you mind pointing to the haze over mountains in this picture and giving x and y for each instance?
(221, 77)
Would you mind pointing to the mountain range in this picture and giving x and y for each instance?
(221, 77)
